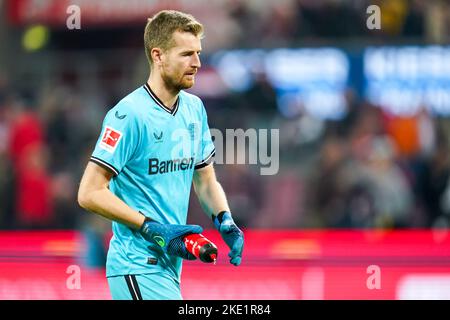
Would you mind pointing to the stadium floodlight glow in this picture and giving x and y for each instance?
(313, 79)
(403, 80)
(233, 70)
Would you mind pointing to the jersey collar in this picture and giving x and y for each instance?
(152, 95)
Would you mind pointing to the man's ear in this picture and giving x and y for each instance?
(156, 54)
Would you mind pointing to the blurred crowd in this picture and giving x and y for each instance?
(254, 23)
(369, 169)
(379, 170)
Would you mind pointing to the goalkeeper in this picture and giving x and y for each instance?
(154, 144)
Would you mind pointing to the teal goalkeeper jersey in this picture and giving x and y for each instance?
(152, 152)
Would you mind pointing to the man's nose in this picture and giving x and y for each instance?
(196, 61)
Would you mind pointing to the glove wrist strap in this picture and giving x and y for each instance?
(146, 220)
(217, 219)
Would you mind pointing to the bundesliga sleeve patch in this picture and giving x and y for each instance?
(110, 139)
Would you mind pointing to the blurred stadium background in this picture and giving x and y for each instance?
(363, 115)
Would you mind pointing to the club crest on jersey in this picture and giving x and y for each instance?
(110, 139)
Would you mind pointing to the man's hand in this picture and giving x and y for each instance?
(169, 237)
(231, 234)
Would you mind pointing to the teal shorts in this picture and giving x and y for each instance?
(150, 286)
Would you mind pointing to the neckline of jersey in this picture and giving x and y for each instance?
(158, 101)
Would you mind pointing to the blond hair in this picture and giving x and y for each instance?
(160, 28)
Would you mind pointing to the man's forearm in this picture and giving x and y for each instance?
(212, 198)
(214, 202)
(105, 203)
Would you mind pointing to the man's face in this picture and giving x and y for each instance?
(181, 62)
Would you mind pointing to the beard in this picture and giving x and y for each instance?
(176, 83)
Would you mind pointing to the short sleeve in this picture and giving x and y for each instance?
(117, 141)
(207, 149)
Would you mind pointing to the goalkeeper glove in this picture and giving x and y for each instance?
(169, 237)
(231, 234)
